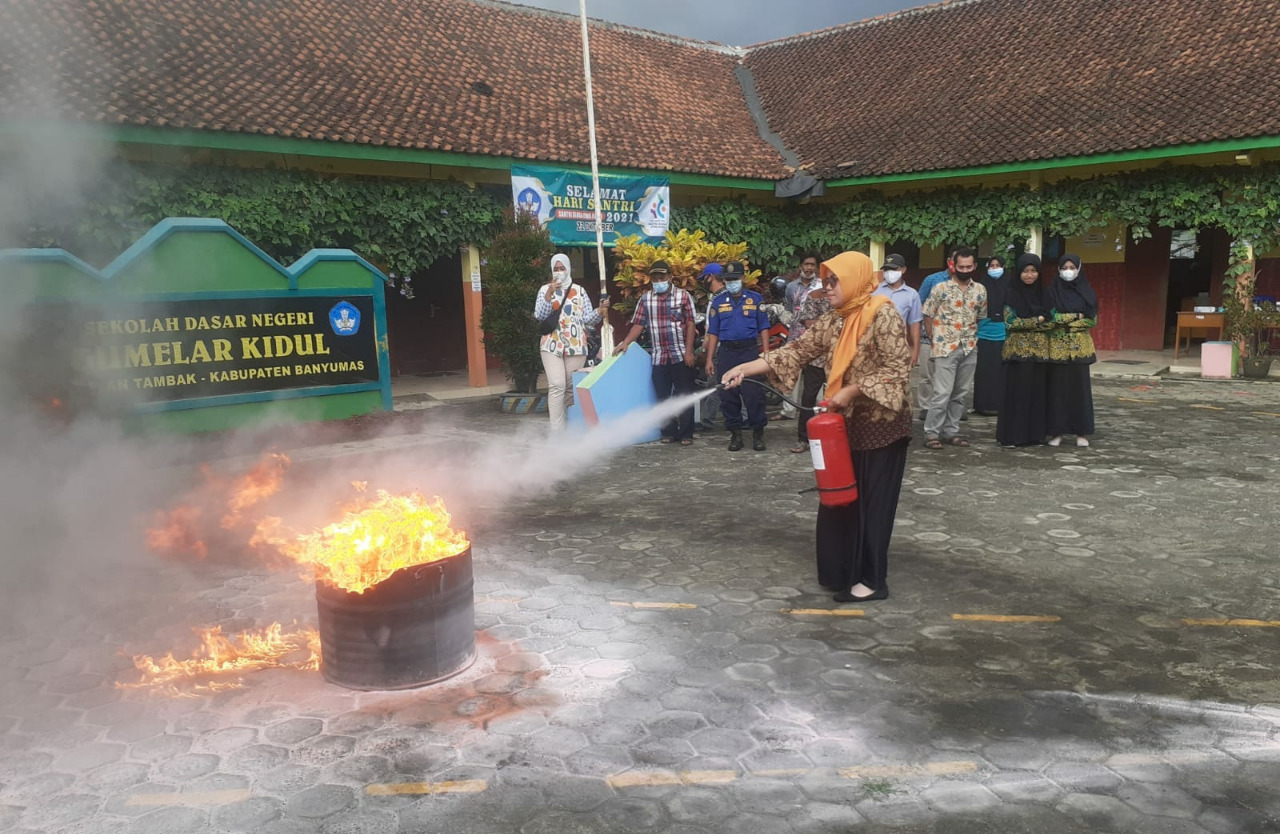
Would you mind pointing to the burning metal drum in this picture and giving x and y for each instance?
(414, 628)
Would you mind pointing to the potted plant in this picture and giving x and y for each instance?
(1251, 328)
(517, 262)
(686, 252)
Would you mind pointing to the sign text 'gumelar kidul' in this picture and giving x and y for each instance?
(149, 351)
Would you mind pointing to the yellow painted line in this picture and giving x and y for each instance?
(652, 778)
(1207, 407)
(665, 605)
(193, 798)
(1235, 622)
(403, 788)
(792, 771)
(903, 771)
(1132, 400)
(1265, 414)
(1006, 618)
(825, 612)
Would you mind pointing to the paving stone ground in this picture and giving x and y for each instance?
(1142, 697)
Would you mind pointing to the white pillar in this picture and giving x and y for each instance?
(877, 252)
(1035, 242)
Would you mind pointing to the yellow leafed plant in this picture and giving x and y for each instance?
(687, 253)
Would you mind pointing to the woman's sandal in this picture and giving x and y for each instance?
(686, 442)
(799, 448)
(958, 441)
(932, 443)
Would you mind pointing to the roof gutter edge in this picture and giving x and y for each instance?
(1145, 154)
(193, 139)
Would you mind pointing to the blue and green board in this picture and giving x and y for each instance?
(195, 328)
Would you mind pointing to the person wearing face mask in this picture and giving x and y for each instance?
(951, 316)
(988, 379)
(667, 313)
(738, 325)
(905, 300)
(863, 341)
(713, 279)
(1025, 353)
(1073, 307)
(564, 349)
(798, 289)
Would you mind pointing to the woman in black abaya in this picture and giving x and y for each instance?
(1073, 307)
(1024, 405)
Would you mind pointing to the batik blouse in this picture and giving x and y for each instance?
(1070, 342)
(1027, 339)
(881, 414)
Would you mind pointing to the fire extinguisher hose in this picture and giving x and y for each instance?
(767, 387)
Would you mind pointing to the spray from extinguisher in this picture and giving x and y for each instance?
(829, 449)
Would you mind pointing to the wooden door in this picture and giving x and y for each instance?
(428, 333)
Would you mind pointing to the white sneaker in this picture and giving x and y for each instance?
(1055, 441)
(1082, 441)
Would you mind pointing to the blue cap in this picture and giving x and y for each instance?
(711, 270)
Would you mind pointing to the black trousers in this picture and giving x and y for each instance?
(675, 380)
(812, 378)
(748, 395)
(853, 541)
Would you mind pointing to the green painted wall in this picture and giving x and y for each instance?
(203, 263)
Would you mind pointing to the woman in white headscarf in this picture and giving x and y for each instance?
(564, 349)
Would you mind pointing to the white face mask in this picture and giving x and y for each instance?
(893, 276)
(560, 278)
(1068, 274)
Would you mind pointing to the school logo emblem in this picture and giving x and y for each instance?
(531, 201)
(344, 318)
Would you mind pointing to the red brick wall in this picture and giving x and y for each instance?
(1108, 281)
(1143, 289)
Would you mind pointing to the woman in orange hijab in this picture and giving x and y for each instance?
(863, 341)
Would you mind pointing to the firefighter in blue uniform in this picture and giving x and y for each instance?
(738, 325)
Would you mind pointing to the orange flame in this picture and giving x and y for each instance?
(373, 540)
(183, 529)
(220, 657)
(255, 486)
(176, 532)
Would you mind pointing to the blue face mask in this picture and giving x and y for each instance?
(995, 271)
(734, 287)
(661, 286)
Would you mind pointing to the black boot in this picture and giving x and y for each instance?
(735, 440)
(757, 440)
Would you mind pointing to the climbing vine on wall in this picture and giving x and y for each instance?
(1243, 201)
(400, 225)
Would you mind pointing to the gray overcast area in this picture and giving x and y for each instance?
(736, 22)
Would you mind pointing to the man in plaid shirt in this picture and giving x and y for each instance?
(667, 313)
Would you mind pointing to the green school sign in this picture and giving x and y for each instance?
(563, 201)
(195, 328)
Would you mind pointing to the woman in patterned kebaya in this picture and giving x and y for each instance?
(564, 350)
(864, 341)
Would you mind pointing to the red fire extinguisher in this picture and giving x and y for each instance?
(832, 460)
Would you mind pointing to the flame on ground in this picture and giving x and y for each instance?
(183, 530)
(373, 540)
(219, 661)
(176, 532)
(255, 486)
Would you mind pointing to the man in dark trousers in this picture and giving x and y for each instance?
(667, 312)
(738, 325)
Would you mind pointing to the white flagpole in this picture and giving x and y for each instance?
(606, 330)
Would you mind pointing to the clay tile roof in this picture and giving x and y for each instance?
(465, 76)
(982, 82)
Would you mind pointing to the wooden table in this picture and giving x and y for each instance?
(1192, 322)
